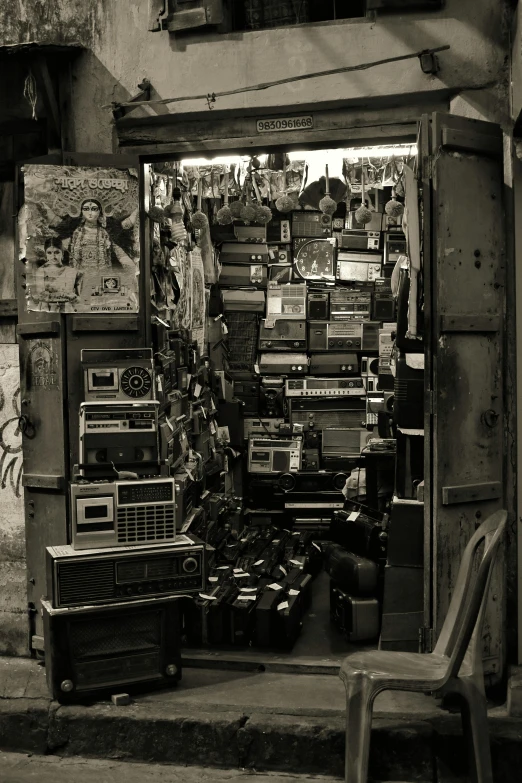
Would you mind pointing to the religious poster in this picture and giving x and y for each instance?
(198, 300)
(81, 237)
(182, 314)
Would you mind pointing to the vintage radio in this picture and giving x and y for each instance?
(243, 253)
(311, 460)
(266, 426)
(271, 399)
(370, 373)
(347, 305)
(386, 345)
(320, 413)
(234, 275)
(394, 246)
(375, 403)
(311, 224)
(269, 456)
(253, 234)
(358, 267)
(409, 392)
(338, 336)
(280, 254)
(282, 335)
(280, 273)
(321, 481)
(117, 374)
(314, 259)
(244, 300)
(104, 576)
(173, 443)
(283, 363)
(246, 390)
(121, 513)
(383, 301)
(334, 364)
(318, 305)
(360, 239)
(278, 229)
(286, 301)
(358, 619)
(118, 436)
(342, 444)
(95, 651)
(324, 387)
(375, 223)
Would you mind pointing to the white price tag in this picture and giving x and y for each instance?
(248, 589)
(197, 390)
(259, 562)
(240, 576)
(213, 579)
(285, 572)
(246, 597)
(353, 516)
(316, 546)
(282, 605)
(293, 592)
(207, 597)
(274, 586)
(296, 563)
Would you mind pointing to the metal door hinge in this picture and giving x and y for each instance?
(426, 640)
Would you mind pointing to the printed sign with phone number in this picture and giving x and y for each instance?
(285, 124)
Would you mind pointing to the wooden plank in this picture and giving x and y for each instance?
(8, 308)
(104, 323)
(123, 161)
(470, 493)
(38, 328)
(39, 481)
(476, 142)
(252, 660)
(469, 323)
(186, 20)
(7, 260)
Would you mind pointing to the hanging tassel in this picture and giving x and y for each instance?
(224, 215)
(363, 215)
(199, 219)
(327, 205)
(284, 203)
(30, 92)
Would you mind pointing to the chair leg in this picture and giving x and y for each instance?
(475, 727)
(359, 704)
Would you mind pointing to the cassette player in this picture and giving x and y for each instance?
(359, 239)
(311, 224)
(314, 259)
(324, 387)
(117, 374)
(118, 435)
(286, 301)
(358, 267)
(283, 335)
(270, 456)
(122, 513)
(347, 305)
(243, 253)
(338, 336)
(283, 363)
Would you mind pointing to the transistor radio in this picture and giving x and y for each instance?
(121, 513)
(334, 364)
(251, 234)
(286, 301)
(343, 335)
(341, 444)
(370, 373)
(347, 305)
(359, 239)
(262, 426)
(279, 254)
(272, 456)
(318, 305)
(394, 246)
(359, 267)
(234, 275)
(117, 374)
(317, 413)
(118, 435)
(314, 259)
(324, 387)
(283, 335)
(271, 397)
(244, 301)
(243, 253)
(173, 443)
(95, 650)
(383, 301)
(311, 224)
(283, 363)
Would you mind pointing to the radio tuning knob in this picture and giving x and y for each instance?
(349, 343)
(67, 686)
(129, 590)
(299, 368)
(171, 670)
(190, 565)
(140, 589)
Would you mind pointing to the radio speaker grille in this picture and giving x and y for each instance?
(141, 524)
(80, 583)
(115, 635)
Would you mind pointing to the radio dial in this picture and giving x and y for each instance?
(343, 384)
(190, 565)
(140, 589)
(269, 343)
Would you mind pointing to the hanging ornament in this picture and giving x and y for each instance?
(284, 203)
(199, 219)
(224, 216)
(394, 208)
(263, 214)
(327, 205)
(363, 215)
(235, 209)
(248, 212)
(157, 214)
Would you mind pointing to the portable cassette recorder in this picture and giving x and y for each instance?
(284, 335)
(318, 305)
(334, 363)
(118, 435)
(120, 513)
(117, 374)
(243, 300)
(286, 301)
(270, 456)
(347, 305)
(339, 335)
(324, 387)
(359, 239)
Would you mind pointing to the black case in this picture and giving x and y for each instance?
(357, 575)
(356, 618)
(361, 535)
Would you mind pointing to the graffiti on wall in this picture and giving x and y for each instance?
(10, 435)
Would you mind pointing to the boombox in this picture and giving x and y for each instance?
(104, 576)
(314, 259)
(269, 456)
(118, 435)
(360, 239)
(271, 400)
(370, 373)
(117, 374)
(311, 459)
(318, 305)
(99, 650)
(336, 336)
(283, 363)
(324, 387)
(120, 513)
(233, 275)
(284, 335)
(262, 427)
(243, 253)
(311, 224)
(320, 413)
(288, 301)
(341, 444)
(322, 481)
(334, 364)
(358, 267)
(240, 301)
(347, 305)
(278, 229)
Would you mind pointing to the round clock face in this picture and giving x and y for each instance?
(315, 260)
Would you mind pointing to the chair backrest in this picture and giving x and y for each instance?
(463, 623)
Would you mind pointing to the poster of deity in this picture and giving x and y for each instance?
(82, 239)
(198, 303)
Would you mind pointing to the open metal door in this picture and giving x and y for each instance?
(461, 166)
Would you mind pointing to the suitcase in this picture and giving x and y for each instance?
(357, 575)
(242, 616)
(358, 619)
(359, 534)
